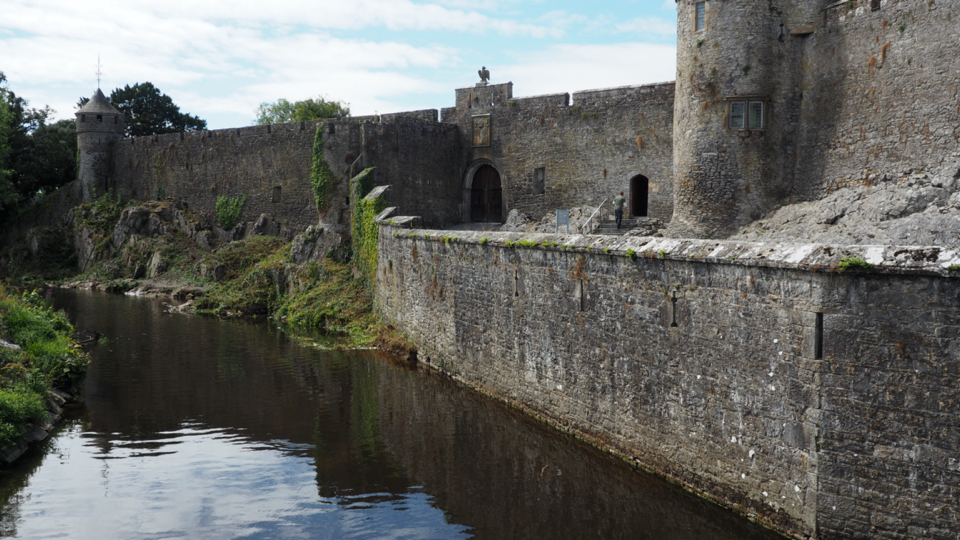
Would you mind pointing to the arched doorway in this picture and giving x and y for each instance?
(639, 193)
(486, 195)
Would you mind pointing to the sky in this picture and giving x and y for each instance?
(220, 60)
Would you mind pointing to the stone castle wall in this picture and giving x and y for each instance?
(821, 402)
(852, 94)
(880, 93)
(586, 151)
(200, 166)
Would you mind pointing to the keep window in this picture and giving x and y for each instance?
(701, 23)
(99, 118)
(746, 115)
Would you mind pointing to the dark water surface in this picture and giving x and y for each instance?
(200, 428)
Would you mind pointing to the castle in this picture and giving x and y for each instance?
(820, 401)
(775, 101)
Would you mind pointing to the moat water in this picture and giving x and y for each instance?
(196, 427)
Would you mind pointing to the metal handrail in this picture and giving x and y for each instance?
(587, 222)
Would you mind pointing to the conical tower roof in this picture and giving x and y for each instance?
(98, 104)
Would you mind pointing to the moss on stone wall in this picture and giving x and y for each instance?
(321, 177)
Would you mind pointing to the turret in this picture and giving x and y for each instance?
(99, 127)
(736, 112)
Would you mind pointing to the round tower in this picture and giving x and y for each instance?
(99, 127)
(734, 98)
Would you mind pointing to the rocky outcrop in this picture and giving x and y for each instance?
(916, 208)
(315, 244)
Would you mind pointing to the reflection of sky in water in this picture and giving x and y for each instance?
(203, 483)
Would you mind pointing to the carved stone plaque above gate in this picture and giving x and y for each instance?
(481, 130)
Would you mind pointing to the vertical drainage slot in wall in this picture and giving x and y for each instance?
(818, 338)
(673, 311)
(516, 283)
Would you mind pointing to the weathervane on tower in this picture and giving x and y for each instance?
(99, 74)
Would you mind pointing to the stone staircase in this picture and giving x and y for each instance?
(637, 226)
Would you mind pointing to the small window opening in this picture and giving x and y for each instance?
(581, 296)
(516, 283)
(277, 190)
(673, 314)
(746, 115)
(346, 201)
(539, 181)
(331, 128)
(116, 120)
(99, 118)
(818, 338)
(83, 118)
(874, 5)
(701, 23)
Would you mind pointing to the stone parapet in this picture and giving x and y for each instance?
(794, 383)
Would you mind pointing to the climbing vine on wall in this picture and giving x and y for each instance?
(364, 228)
(321, 177)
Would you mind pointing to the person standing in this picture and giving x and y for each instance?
(619, 203)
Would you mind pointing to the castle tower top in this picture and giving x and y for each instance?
(98, 115)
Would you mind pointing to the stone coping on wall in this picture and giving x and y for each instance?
(816, 257)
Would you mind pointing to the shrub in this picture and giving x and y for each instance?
(853, 263)
(229, 210)
(20, 407)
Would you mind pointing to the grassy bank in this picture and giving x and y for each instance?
(328, 300)
(45, 357)
(324, 299)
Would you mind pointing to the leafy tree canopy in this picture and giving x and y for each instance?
(8, 195)
(35, 157)
(146, 111)
(282, 111)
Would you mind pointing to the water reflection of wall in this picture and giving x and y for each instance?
(508, 477)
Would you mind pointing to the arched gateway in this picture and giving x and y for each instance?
(485, 192)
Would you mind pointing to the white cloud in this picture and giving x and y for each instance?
(224, 59)
(647, 25)
(596, 66)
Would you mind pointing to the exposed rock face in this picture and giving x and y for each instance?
(520, 222)
(314, 244)
(917, 208)
(161, 217)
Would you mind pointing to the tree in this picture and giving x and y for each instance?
(50, 160)
(8, 194)
(35, 157)
(282, 111)
(146, 111)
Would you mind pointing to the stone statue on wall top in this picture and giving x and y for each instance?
(484, 75)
